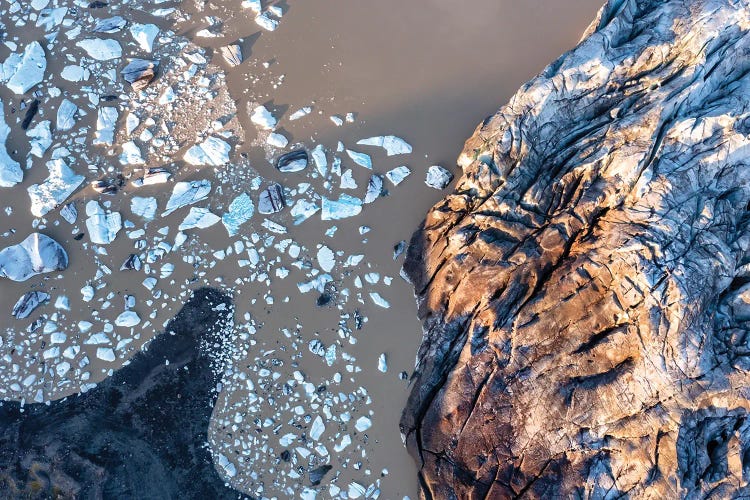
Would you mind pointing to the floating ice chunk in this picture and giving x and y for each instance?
(139, 73)
(274, 227)
(347, 180)
(37, 254)
(199, 218)
(300, 113)
(105, 125)
(40, 138)
(326, 258)
(263, 118)
(254, 5)
(10, 170)
(321, 162)
(87, 293)
(75, 73)
(382, 363)
(106, 354)
(317, 429)
(228, 467)
(337, 120)
(379, 301)
(294, 161)
(271, 200)
(110, 25)
(240, 211)
(398, 174)
(346, 206)
(277, 140)
(143, 207)
(69, 213)
(131, 123)
(28, 303)
(438, 177)
(374, 188)
(393, 145)
(55, 189)
(353, 260)
(345, 441)
(131, 154)
(361, 159)
(127, 319)
(355, 490)
(232, 54)
(102, 226)
(30, 70)
(318, 283)
(265, 22)
(101, 49)
(213, 151)
(303, 210)
(51, 18)
(362, 424)
(144, 35)
(66, 115)
(187, 193)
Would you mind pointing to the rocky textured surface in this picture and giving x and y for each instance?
(140, 434)
(585, 290)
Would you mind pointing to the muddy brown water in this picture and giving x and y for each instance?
(427, 71)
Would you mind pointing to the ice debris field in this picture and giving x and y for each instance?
(123, 191)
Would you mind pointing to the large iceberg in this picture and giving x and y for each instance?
(37, 254)
(10, 170)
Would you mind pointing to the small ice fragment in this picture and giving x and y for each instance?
(240, 211)
(317, 429)
(263, 118)
(379, 301)
(294, 161)
(66, 115)
(110, 25)
(105, 126)
(28, 303)
(303, 210)
(346, 206)
(40, 138)
(140, 72)
(144, 34)
(337, 120)
(347, 180)
(105, 354)
(228, 467)
(438, 177)
(232, 54)
(326, 258)
(362, 424)
(143, 207)
(131, 154)
(271, 200)
(187, 193)
(101, 49)
(10, 170)
(277, 140)
(213, 151)
(102, 226)
(302, 112)
(321, 162)
(393, 145)
(398, 174)
(30, 69)
(265, 22)
(127, 319)
(382, 363)
(55, 189)
(199, 218)
(254, 5)
(361, 159)
(374, 188)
